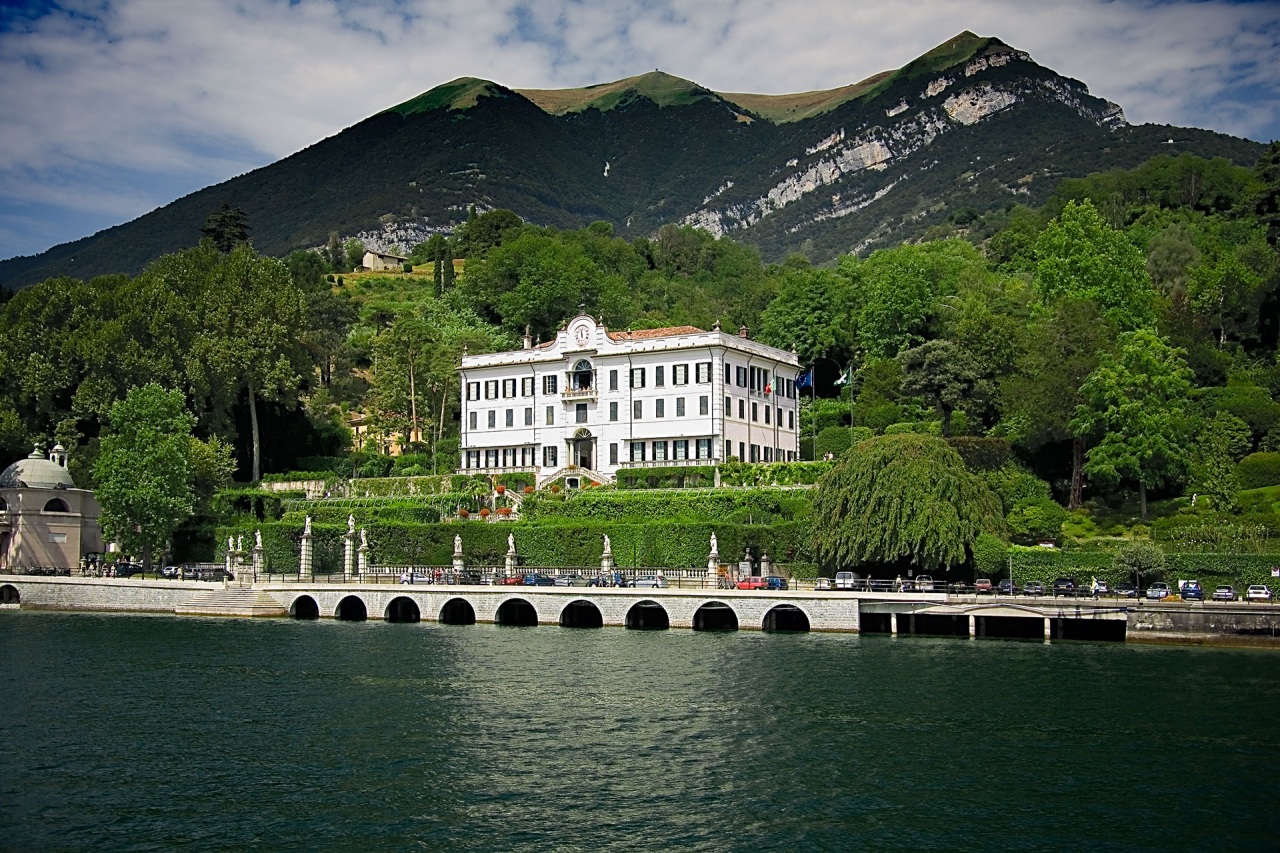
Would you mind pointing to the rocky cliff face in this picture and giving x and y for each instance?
(885, 134)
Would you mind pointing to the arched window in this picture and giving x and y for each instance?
(3, 506)
(56, 505)
(582, 376)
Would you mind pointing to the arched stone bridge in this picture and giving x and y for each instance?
(583, 607)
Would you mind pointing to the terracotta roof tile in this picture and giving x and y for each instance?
(642, 334)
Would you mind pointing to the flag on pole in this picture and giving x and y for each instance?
(768, 387)
(845, 377)
(805, 380)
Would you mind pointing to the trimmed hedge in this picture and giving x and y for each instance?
(1046, 564)
(757, 475)
(755, 506)
(678, 477)
(652, 544)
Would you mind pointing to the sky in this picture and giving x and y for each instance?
(112, 108)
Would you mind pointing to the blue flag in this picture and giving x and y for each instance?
(805, 380)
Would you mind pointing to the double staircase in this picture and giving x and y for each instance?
(231, 601)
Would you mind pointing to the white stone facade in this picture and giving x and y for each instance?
(597, 401)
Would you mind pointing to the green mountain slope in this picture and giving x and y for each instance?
(973, 123)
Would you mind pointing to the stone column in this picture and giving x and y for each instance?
(348, 555)
(307, 556)
(606, 559)
(362, 555)
(1048, 629)
(713, 568)
(257, 560)
(973, 627)
(766, 565)
(893, 624)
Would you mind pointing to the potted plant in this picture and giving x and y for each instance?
(484, 513)
(500, 489)
(528, 490)
(462, 513)
(506, 510)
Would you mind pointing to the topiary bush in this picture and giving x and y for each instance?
(1259, 470)
(1036, 518)
(990, 554)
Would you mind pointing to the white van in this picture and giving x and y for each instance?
(844, 580)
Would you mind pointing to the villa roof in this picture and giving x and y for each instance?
(642, 334)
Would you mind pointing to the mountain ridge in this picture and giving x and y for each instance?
(972, 123)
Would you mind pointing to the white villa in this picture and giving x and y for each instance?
(592, 402)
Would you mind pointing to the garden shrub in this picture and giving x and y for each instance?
(981, 453)
(1014, 483)
(989, 556)
(1036, 518)
(1258, 470)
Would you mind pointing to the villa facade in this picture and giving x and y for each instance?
(592, 402)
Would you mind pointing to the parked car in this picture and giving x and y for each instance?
(1033, 588)
(1064, 587)
(1103, 588)
(752, 582)
(775, 582)
(1258, 592)
(533, 579)
(1006, 587)
(879, 585)
(1192, 591)
(649, 582)
(1127, 589)
(1226, 592)
(822, 584)
(415, 577)
(982, 586)
(923, 583)
(844, 580)
(1159, 590)
(572, 580)
(513, 580)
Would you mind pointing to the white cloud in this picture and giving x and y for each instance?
(198, 91)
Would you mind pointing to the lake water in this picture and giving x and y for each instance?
(157, 733)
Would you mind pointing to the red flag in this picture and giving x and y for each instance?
(768, 388)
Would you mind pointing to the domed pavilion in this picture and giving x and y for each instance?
(45, 521)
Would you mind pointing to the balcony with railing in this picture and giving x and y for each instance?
(578, 395)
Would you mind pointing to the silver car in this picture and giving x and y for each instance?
(650, 582)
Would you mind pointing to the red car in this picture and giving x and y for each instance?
(517, 580)
(753, 582)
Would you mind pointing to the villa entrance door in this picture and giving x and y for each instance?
(582, 451)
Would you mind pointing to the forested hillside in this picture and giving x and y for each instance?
(1116, 345)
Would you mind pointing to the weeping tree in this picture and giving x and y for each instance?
(902, 498)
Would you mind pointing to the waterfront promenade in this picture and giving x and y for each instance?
(900, 613)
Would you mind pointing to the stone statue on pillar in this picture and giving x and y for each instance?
(457, 555)
(256, 555)
(713, 561)
(606, 558)
(306, 557)
(349, 549)
(510, 563)
(363, 553)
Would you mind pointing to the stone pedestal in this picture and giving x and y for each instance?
(606, 562)
(766, 565)
(306, 558)
(348, 555)
(713, 569)
(510, 562)
(362, 560)
(257, 563)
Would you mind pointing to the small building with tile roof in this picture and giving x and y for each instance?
(592, 402)
(45, 521)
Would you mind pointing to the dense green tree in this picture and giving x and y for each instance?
(227, 227)
(353, 254)
(1080, 256)
(901, 499)
(485, 231)
(1221, 442)
(814, 311)
(251, 316)
(145, 475)
(1039, 399)
(944, 374)
(1266, 200)
(1134, 410)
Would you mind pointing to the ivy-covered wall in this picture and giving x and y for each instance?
(1238, 570)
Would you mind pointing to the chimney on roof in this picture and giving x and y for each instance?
(716, 327)
(743, 333)
(528, 339)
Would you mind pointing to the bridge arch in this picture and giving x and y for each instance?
(304, 607)
(457, 611)
(516, 612)
(648, 615)
(581, 613)
(715, 616)
(402, 608)
(785, 617)
(9, 594)
(351, 609)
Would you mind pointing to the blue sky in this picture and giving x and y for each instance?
(112, 108)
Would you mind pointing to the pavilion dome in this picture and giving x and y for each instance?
(36, 472)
